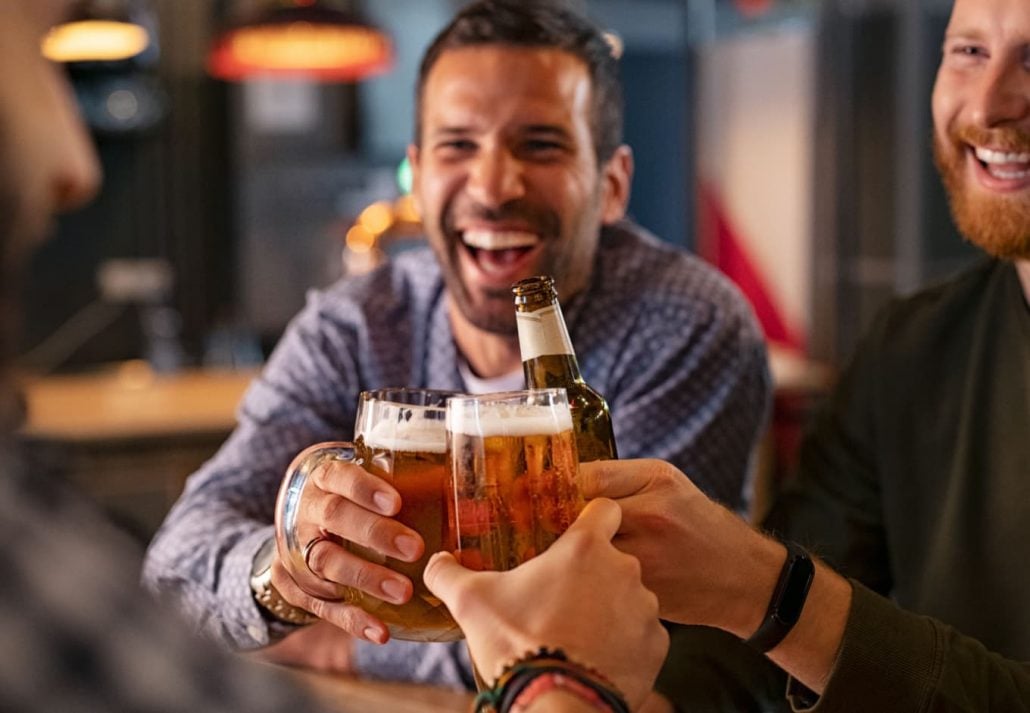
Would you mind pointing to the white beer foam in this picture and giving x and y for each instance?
(416, 436)
(508, 420)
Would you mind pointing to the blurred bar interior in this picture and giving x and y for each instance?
(787, 141)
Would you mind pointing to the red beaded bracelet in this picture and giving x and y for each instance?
(553, 680)
(543, 668)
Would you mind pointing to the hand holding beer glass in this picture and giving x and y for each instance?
(490, 477)
(400, 438)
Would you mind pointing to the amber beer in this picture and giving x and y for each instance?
(406, 445)
(549, 361)
(514, 463)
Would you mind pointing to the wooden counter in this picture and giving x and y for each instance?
(131, 402)
(128, 437)
(353, 695)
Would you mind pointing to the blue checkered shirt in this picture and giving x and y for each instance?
(670, 343)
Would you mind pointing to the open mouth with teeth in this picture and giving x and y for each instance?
(500, 252)
(1003, 165)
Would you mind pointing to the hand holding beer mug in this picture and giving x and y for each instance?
(514, 464)
(400, 438)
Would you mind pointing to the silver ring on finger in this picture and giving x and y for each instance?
(306, 552)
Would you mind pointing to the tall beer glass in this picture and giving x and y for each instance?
(514, 463)
(400, 437)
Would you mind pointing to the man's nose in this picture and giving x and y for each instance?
(495, 178)
(1003, 96)
(74, 168)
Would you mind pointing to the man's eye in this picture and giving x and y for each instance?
(542, 147)
(456, 146)
(968, 51)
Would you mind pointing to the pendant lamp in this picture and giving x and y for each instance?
(100, 31)
(313, 39)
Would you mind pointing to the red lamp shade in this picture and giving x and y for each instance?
(754, 8)
(306, 39)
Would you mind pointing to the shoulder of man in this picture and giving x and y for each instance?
(940, 311)
(634, 266)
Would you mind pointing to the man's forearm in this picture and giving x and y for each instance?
(809, 650)
(559, 701)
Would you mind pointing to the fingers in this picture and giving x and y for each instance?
(332, 562)
(626, 478)
(352, 619)
(601, 517)
(346, 478)
(611, 479)
(384, 535)
(445, 577)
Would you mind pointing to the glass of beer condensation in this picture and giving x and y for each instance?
(515, 469)
(399, 436)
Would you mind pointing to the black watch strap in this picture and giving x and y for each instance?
(788, 599)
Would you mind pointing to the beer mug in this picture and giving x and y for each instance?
(515, 468)
(399, 436)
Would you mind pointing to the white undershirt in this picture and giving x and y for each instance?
(512, 381)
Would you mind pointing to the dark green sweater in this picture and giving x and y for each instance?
(895, 661)
(916, 482)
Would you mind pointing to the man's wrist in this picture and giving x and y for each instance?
(754, 576)
(809, 652)
(558, 701)
(787, 601)
(273, 607)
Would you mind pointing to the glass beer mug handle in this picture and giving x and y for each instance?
(287, 506)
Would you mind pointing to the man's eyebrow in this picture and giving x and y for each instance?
(445, 131)
(966, 34)
(546, 130)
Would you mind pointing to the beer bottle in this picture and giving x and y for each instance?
(549, 361)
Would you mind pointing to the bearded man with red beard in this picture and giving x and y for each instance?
(916, 478)
(914, 485)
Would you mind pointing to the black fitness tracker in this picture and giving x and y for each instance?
(787, 601)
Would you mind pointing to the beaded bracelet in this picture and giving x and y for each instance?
(518, 675)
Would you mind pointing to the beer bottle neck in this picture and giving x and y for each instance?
(552, 371)
(548, 358)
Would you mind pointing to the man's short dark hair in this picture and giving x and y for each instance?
(541, 24)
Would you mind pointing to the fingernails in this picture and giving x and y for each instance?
(394, 589)
(407, 545)
(377, 636)
(384, 501)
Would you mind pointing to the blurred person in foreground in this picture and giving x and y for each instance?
(78, 634)
(519, 169)
(916, 480)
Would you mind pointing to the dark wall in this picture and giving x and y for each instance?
(659, 128)
(882, 217)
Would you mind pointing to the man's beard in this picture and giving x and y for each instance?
(998, 224)
(494, 310)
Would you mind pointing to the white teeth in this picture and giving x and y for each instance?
(1008, 175)
(500, 239)
(989, 156)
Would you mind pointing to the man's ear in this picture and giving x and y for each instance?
(617, 176)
